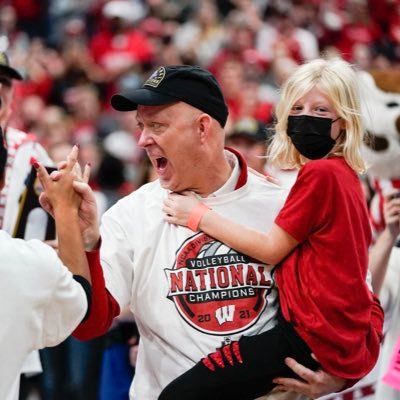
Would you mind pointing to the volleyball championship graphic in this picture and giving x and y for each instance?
(215, 289)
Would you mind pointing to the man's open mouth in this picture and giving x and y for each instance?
(161, 163)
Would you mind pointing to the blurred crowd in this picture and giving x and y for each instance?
(74, 54)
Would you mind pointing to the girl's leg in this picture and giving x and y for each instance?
(241, 370)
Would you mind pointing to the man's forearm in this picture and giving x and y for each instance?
(70, 242)
(379, 259)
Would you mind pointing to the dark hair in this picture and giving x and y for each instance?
(111, 173)
(3, 154)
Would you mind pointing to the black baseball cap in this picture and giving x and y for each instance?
(190, 84)
(251, 129)
(5, 68)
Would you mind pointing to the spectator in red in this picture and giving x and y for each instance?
(354, 26)
(32, 16)
(161, 33)
(12, 37)
(119, 47)
(242, 92)
(201, 37)
(84, 107)
(39, 67)
(281, 37)
(252, 104)
(240, 45)
(250, 137)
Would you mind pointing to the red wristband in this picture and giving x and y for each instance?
(195, 216)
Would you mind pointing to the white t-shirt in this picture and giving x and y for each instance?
(41, 305)
(189, 293)
(21, 148)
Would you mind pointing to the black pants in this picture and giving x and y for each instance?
(262, 359)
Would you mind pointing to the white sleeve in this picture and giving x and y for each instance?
(117, 256)
(41, 154)
(66, 306)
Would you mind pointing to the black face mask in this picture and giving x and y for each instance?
(311, 136)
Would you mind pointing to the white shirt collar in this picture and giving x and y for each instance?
(230, 184)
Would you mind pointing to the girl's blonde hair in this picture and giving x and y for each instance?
(338, 81)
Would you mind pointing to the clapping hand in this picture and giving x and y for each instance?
(87, 212)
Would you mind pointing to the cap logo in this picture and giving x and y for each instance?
(156, 77)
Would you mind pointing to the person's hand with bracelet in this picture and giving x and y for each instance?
(184, 209)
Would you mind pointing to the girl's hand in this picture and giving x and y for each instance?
(267, 177)
(179, 206)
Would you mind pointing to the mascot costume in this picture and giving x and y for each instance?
(381, 111)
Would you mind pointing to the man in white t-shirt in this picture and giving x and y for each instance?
(188, 292)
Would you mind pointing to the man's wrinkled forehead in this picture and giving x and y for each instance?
(165, 110)
(143, 111)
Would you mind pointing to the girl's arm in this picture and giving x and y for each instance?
(270, 248)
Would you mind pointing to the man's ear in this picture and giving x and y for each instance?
(205, 122)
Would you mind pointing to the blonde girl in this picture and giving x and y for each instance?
(318, 245)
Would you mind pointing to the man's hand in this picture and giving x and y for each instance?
(312, 384)
(88, 219)
(88, 215)
(391, 211)
(60, 193)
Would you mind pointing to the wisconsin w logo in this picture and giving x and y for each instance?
(225, 314)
